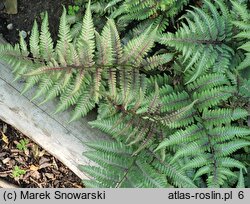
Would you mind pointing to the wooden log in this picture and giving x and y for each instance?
(52, 132)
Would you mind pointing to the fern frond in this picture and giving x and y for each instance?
(138, 172)
(84, 105)
(86, 43)
(65, 38)
(242, 23)
(245, 88)
(189, 134)
(202, 40)
(34, 41)
(223, 116)
(178, 115)
(91, 60)
(231, 163)
(46, 43)
(137, 48)
(156, 61)
(116, 42)
(230, 147)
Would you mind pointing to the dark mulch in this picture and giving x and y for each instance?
(28, 10)
(42, 170)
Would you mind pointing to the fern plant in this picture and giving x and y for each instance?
(142, 116)
(204, 40)
(97, 8)
(184, 125)
(79, 70)
(137, 14)
(242, 23)
(118, 168)
(147, 12)
(188, 124)
(205, 135)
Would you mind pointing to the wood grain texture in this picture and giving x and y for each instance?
(52, 132)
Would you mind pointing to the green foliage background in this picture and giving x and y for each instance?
(170, 79)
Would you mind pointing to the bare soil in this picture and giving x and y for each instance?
(28, 11)
(41, 170)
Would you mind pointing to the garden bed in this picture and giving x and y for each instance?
(28, 11)
(172, 93)
(24, 163)
(52, 132)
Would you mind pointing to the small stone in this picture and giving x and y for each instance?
(10, 26)
(6, 160)
(23, 34)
